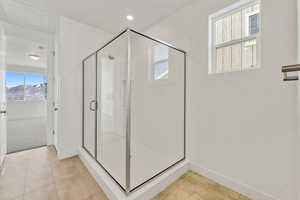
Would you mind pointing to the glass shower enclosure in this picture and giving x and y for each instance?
(134, 90)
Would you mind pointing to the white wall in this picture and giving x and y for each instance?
(26, 125)
(241, 126)
(75, 42)
(298, 92)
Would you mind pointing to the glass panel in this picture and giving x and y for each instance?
(161, 70)
(157, 113)
(237, 25)
(236, 57)
(219, 31)
(249, 54)
(35, 87)
(227, 59)
(253, 24)
(89, 104)
(227, 29)
(224, 59)
(219, 60)
(14, 86)
(223, 30)
(251, 20)
(161, 52)
(111, 134)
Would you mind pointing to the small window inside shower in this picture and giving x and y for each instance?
(160, 67)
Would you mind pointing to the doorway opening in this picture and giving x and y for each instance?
(26, 94)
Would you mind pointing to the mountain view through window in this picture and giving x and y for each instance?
(25, 87)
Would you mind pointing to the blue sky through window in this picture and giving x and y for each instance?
(15, 79)
(34, 79)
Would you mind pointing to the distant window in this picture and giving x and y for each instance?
(234, 38)
(25, 87)
(253, 24)
(160, 61)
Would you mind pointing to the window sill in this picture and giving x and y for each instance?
(235, 71)
(26, 102)
(42, 117)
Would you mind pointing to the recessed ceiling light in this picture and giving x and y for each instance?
(129, 17)
(34, 57)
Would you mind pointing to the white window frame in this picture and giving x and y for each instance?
(211, 40)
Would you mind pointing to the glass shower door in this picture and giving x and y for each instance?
(134, 108)
(111, 133)
(89, 104)
(157, 108)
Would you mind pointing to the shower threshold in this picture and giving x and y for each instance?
(149, 189)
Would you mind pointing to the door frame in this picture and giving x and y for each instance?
(3, 140)
(50, 90)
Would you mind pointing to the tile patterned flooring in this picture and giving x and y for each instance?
(192, 186)
(38, 175)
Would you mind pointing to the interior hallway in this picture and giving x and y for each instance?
(38, 175)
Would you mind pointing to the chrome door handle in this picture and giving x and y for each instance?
(93, 108)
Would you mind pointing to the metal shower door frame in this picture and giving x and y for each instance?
(83, 109)
(128, 31)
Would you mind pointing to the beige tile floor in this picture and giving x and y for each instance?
(38, 175)
(192, 186)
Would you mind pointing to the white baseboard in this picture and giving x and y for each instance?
(114, 192)
(232, 184)
(2, 158)
(147, 192)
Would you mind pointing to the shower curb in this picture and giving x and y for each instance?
(147, 192)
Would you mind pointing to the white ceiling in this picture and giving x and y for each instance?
(109, 15)
(32, 14)
(18, 50)
(27, 20)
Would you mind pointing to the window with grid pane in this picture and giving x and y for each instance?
(234, 38)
